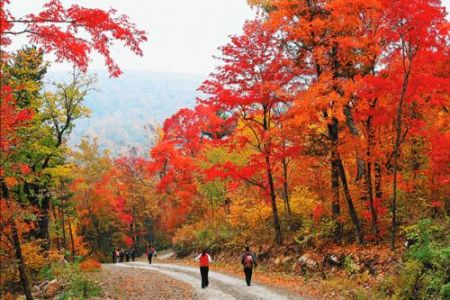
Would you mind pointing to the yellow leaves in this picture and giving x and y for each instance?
(302, 202)
(54, 255)
(33, 255)
(80, 247)
(64, 171)
(36, 258)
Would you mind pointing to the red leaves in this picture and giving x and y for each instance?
(255, 70)
(12, 118)
(230, 170)
(128, 241)
(5, 26)
(57, 30)
(119, 207)
(25, 169)
(318, 211)
(439, 159)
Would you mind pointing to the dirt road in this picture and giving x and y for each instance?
(139, 280)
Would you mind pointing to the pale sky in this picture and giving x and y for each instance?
(183, 34)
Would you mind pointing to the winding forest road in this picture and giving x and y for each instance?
(172, 281)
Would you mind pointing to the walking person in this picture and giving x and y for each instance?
(151, 251)
(121, 255)
(127, 255)
(248, 261)
(133, 254)
(204, 259)
(114, 258)
(117, 256)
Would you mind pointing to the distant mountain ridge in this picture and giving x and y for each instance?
(123, 106)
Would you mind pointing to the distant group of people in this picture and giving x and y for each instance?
(247, 260)
(122, 255)
(127, 255)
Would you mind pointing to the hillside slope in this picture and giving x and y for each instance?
(122, 107)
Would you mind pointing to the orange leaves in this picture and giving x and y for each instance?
(90, 265)
(11, 181)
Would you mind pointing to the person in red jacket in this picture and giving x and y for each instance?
(204, 259)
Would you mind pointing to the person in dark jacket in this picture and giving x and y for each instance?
(133, 254)
(248, 261)
(114, 258)
(151, 251)
(117, 255)
(127, 255)
(121, 255)
(204, 259)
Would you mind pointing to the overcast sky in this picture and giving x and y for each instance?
(183, 34)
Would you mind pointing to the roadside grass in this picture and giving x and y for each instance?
(76, 281)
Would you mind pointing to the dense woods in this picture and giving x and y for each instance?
(324, 126)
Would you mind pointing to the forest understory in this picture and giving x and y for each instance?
(321, 140)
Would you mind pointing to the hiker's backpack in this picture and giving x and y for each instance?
(248, 261)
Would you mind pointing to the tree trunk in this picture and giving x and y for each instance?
(361, 165)
(351, 208)
(55, 220)
(135, 235)
(71, 240)
(373, 212)
(394, 205)
(43, 223)
(398, 135)
(17, 247)
(335, 203)
(287, 205)
(273, 199)
(372, 209)
(22, 273)
(63, 222)
(273, 202)
(378, 181)
(34, 194)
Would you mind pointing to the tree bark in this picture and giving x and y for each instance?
(351, 208)
(71, 240)
(273, 202)
(43, 223)
(20, 261)
(373, 212)
(33, 192)
(63, 224)
(287, 205)
(360, 170)
(17, 247)
(378, 181)
(266, 150)
(335, 203)
(372, 209)
(407, 55)
(55, 220)
(135, 235)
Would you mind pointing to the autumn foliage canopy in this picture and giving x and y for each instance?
(324, 123)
